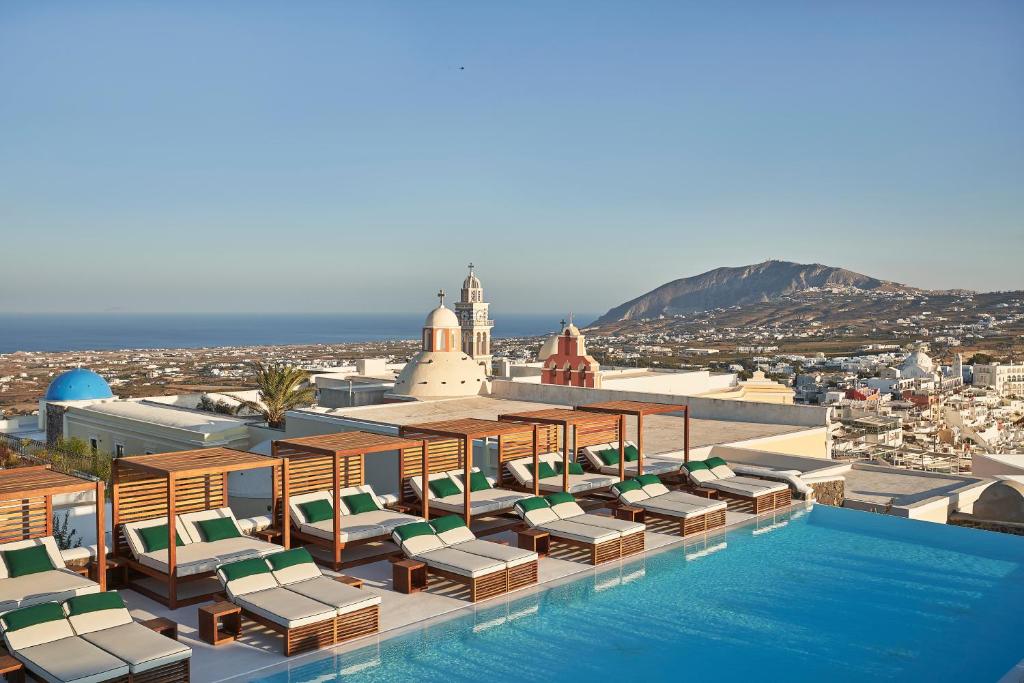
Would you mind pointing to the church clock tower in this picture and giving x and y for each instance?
(476, 325)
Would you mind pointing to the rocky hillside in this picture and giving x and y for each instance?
(725, 287)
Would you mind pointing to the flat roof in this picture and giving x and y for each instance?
(200, 461)
(35, 480)
(662, 433)
(167, 416)
(881, 485)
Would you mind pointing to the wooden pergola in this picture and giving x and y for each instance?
(464, 432)
(586, 427)
(26, 507)
(168, 484)
(328, 462)
(639, 409)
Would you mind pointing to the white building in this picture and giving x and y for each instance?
(1005, 379)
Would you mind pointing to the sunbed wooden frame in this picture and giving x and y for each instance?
(175, 672)
(329, 462)
(606, 551)
(340, 629)
(766, 502)
(26, 507)
(587, 429)
(167, 485)
(452, 448)
(639, 409)
(688, 526)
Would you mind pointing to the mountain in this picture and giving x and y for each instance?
(759, 283)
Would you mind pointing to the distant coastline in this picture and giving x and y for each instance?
(53, 332)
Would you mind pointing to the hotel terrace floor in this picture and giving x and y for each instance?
(258, 652)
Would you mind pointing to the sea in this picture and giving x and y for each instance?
(113, 331)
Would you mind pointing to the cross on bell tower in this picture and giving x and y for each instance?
(440, 296)
(474, 319)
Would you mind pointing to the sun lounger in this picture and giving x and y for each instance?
(92, 638)
(285, 592)
(550, 466)
(445, 492)
(485, 576)
(603, 541)
(521, 564)
(604, 458)
(694, 514)
(33, 571)
(753, 495)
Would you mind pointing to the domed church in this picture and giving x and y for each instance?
(442, 369)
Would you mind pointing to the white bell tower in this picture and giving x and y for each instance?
(475, 322)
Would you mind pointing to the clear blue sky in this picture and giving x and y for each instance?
(330, 156)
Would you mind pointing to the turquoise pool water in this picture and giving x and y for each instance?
(821, 595)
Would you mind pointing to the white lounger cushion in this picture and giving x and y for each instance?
(142, 648)
(763, 483)
(620, 525)
(540, 516)
(342, 598)
(52, 551)
(295, 504)
(191, 559)
(419, 544)
(563, 528)
(191, 522)
(522, 474)
(285, 607)
(417, 484)
(55, 585)
(459, 534)
(37, 634)
(458, 562)
(577, 482)
(456, 503)
(71, 660)
(365, 488)
(131, 534)
(651, 466)
(513, 557)
(98, 620)
(678, 508)
(702, 476)
(738, 488)
(241, 548)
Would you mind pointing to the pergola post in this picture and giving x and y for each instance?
(336, 476)
(468, 443)
(286, 526)
(639, 443)
(686, 434)
(536, 462)
(172, 543)
(565, 459)
(101, 532)
(622, 448)
(426, 481)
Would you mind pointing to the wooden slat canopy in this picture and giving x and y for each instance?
(638, 409)
(596, 428)
(26, 507)
(464, 432)
(167, 484)
(328, 462)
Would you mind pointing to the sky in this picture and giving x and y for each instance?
(336, 156)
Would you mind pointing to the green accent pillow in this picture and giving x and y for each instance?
(609, 456)
(574, 468)
(359, 503)
(628, 485)
(444, 487)
(645, 479)
(447, 523)
(535, 503)
(556, 498)
(289, 558)
(30, 616)
(407, 531)
(695, 465)
(545, 470)
(715, 462)
(478, 482)
(218, 529)
(25, 561)
(317, 510)
(632, 454)
(155, 538)
(95, 602)
(244, 568)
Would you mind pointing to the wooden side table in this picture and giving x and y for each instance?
(163, 626)
(408, 576)
(11, 669)
(220, 622)
(270, 535)
(353, 581)
(534, 539)
(628, 513)
(701, 491)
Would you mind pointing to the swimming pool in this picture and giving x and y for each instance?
(826, 594)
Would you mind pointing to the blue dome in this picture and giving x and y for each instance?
(78, 385)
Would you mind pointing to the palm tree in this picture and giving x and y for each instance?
(282, 388)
